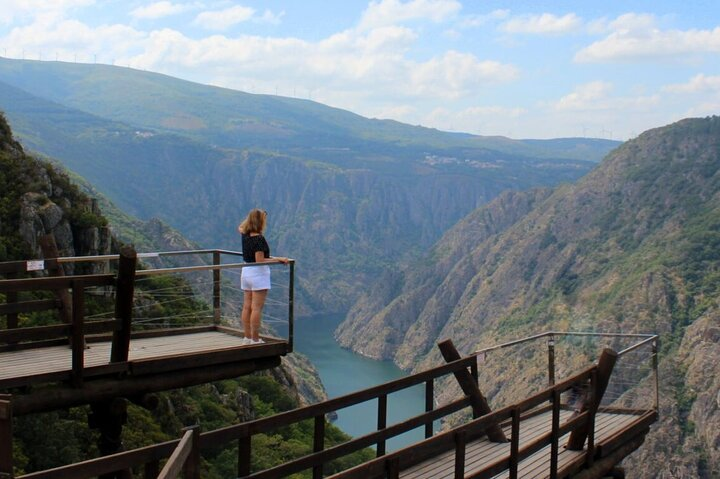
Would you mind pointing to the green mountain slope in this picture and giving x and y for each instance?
(634, 246)
(234, 119)
(347, 213)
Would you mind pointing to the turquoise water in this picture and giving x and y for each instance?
(343, 372)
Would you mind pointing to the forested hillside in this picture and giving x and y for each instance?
(348, 196)
(37, 199)
(634, 246)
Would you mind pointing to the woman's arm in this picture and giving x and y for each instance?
(260, 258)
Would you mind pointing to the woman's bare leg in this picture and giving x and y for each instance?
(258, 301)
(247, 312)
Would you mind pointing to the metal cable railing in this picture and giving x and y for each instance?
(190, 288)
(633, 384)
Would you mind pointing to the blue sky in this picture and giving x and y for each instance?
(533, 69)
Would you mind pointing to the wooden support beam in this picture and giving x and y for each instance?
(606, 363)
(472, 391)
(124, 291)
(52, 398)
(109, 417)
(49, 250)
(607, 466)
(6, 437)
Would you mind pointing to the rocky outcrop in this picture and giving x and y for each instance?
(45, 203)
(686, 440)
(406, 311)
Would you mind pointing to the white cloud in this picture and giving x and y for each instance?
(71, 39)
(224, 19)
(13, 10)
(391, 12)
(270, 17)
(454, 74)
(473, 21)
(543, 24)
(482, 120)
(161, 9)
(698, 84)
(636, 37)
(584, 96)
(596, 95)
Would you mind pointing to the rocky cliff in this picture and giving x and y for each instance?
(38, 200)
(634, 246)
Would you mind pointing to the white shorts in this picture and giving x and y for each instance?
(255, 278)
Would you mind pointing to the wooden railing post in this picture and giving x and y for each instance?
(381, 423)
(244, 455)
(429, 405)
(551, 360)
(124, 291)
(11, 297)
(514, 443)
(392, 468)
(191, 470)
(6, 437)
(470, 387)
(151, 470)
(77, 339)
(555, 434)
(217, 312)
(460, 442)
(318, 443)
(604, 370)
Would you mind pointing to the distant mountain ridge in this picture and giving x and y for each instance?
(348, 196)
(235, 119)
(634, 246)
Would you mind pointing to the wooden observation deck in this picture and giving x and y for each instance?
(76, 358)
(538, 435)
(81, 361)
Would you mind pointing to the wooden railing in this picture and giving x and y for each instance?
(75, 331)
(243, 433)
(183, 456)
(580, 427)
(63, 302)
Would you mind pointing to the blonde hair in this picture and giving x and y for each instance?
(254, 223)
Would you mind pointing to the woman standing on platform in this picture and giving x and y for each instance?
(255, 280)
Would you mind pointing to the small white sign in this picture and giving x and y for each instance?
(37, 265)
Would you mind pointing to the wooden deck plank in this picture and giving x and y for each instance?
(537, 466)
(478, 453)
(487, 452)
(54, 362)
(481, 452)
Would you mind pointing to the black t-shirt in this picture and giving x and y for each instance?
(253, 244)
